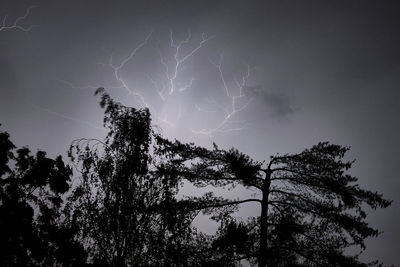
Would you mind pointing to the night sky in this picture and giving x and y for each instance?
(265, 77)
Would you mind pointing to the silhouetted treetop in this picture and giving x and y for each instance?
(126, 202)
(312, 209)
(31, 197)
(124, 207)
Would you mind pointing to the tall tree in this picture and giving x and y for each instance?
(32, 232)
(311, 209)
(125, 202)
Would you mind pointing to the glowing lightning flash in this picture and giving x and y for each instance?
(174, 69)
(179, 60)
(168, 86)
(117, 69)
(171, 73)
(227, 124)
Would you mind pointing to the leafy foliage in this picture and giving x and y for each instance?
(126, 203)
(124, 209)
(31, 190)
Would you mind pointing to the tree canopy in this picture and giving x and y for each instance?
(126, 202)
(124, 207)
(31, 228)
(312, 209)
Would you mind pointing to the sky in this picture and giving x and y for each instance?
(265, 77)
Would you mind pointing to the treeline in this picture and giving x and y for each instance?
(120, 208)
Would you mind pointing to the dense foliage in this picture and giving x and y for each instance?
(123, 208)
(126, 203)
(31, 227)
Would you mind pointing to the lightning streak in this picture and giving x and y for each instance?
(168, 86)
(236, 104)
(171, 73)
(16, 24)
(118, 67)
(116, 71)
(179, 60)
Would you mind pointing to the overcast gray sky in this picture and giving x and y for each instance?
(299, 72)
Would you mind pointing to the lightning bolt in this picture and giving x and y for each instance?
(118, 67)
(236, 105)
(16, 24)
(116, 70)
(168, 85)
(179, 59)
(174, 68)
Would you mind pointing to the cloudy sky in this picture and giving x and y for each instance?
(263, 76)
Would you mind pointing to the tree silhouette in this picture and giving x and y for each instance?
(312, 209)
(31, 228)
(125, 204)
(124, 209)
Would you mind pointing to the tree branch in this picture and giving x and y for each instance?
(220, 205)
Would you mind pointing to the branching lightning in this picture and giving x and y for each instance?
(118, 67)
(237, 103)
(179, 60)
(168, 85)
(172, 71)
(16, 24)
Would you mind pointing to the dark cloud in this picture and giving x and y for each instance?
(276, 104)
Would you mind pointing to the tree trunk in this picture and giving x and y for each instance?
(263, 249)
